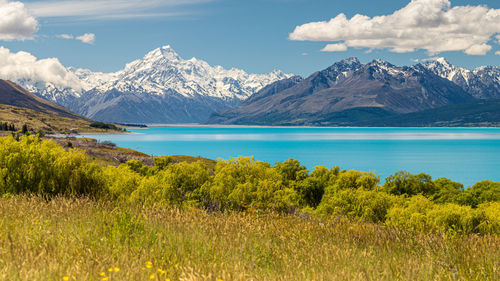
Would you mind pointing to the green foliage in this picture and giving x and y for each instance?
(101, 125)
(482, 192)
(405, 183)
(175, 184)
(43, 167)
(367, 205)
(447, 191)
(34, 166)
(4, 126)
(242, 183)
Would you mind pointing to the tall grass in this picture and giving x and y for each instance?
(80, 239)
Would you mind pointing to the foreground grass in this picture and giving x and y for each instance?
(81, 239)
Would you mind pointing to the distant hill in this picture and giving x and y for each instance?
(15, 95)
(19, 107)
(480, 113)
(346, 93)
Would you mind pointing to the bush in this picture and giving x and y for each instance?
(366, 205)
(102, 125)
(404, 183)
(43, 167)
(242, 183)
(175, 184)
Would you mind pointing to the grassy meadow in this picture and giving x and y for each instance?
(83, 239)
(67, 213)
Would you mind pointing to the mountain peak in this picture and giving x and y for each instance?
(164, 52)
(351, 60)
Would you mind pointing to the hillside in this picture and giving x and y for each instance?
(20, 107)
(346, 92)
(483, 113)
(12, 94)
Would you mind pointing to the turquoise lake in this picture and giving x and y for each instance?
(463, 155)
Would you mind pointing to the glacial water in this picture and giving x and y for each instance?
(466, 155)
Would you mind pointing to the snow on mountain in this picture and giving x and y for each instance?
(163, 69)
(161, 79)
(482, 82)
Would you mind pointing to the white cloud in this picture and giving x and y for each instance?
(335, 48)
(497, 53)
(109, 9)
(65, 36)
(16, 23)
(478, 50)
(431, 25)
(23, 65)
(87, 38)
(305, 54)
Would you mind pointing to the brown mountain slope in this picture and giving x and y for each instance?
(347, 91)
(19, 107)
(12, 94)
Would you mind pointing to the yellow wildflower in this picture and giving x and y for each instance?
(105, 279)
(66, 278)
(116, 269)
(152, 276)
(102, 273)
(110, 269)
(161, 271)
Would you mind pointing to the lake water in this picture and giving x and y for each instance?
(463, 155)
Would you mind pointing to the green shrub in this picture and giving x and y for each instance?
(366, 205)
(101, 125)
(122, 181)
(447, 191)
(43, 167)
(175, 184)
(242, 183)
(404, 183)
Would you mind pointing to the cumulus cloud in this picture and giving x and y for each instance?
(109, 9)
(87, 38)
(341, 47)
(478, 50)
(431, 25)
(497, 53)
(16, 23)
(24, 66)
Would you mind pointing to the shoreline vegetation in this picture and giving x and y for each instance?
(77, 209)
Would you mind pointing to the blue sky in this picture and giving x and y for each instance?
(251, 35)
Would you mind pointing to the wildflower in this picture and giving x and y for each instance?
(110, 270)
(66, 278)
(102, 273)
(105, 279)
(149, 264)
(161, 271)
(143, 268)
(152, 276)
(116, 269)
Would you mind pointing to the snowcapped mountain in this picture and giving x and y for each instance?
(482, 82)
(161, 87)
(345, 93)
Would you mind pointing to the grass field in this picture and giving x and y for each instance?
(83, 239)
(48, 123)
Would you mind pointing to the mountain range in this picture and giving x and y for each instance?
(162, 87)
(350, 93)
(159, 88)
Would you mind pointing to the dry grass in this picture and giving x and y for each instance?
(36, 121)
(81, 239)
